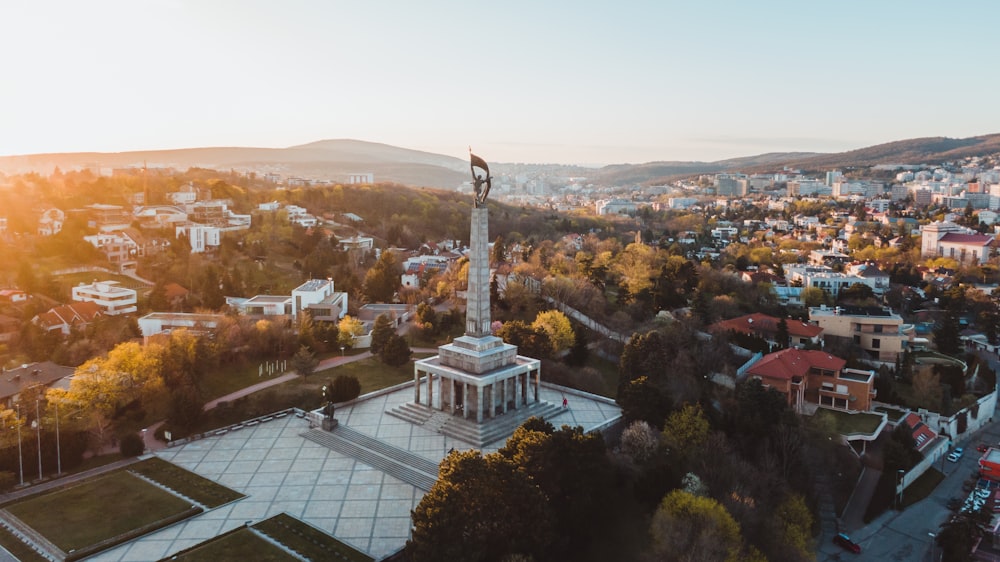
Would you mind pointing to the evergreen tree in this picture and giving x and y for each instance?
(381, 333)
(946, 335)
(396, 351)
(304, 362)
(782, 335)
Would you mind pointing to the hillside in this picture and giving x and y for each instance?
(335, 159)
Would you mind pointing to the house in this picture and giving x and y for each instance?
(815, 377)
(262, 305)
(766, 327)
(830, 281)
(107, 218)
(69, 317)
(13, 296)
(113, 299)
(175, 294)
(164, 322)
(879, 331)
(357, 243)
(949, 240)
(877, 279)
(15, 381)
(320, 299)
(922, 434)
(416, 269)
(119, 247)
(200, 236)
(51, 222)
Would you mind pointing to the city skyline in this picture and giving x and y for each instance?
(575, 84)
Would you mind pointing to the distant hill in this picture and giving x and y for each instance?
(929, 150)
(335, 159)
(328, 159)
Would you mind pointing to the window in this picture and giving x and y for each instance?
(876, 343)
(878, 328)
(857, 339)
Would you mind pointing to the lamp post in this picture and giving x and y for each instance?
(899, 482)
(58, 448)
(341, 351)
(20, 459)
(38, 436)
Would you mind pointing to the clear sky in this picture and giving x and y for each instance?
(520, 81)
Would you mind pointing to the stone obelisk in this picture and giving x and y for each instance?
(477, 377)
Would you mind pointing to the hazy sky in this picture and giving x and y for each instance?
(519, 81)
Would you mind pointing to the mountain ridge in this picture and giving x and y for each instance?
(335, 159)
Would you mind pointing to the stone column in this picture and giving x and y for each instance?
(477, 312)
(430, 389)
(416, 386)
(478, 391)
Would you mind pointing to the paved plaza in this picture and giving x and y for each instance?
(281, 471)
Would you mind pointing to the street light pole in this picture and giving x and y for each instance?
(38, 435)
(58, 448)
(899, 477)
(20, 459)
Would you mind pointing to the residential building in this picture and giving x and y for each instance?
(15, 381)
(201, 237)
(763, 326)
(108, 218)
(113, 299)
(615, 207)
(415, 270)
(119, 247)
(164, 322)
(67, 318)
(945, 239)
(262, 305)
(922, 434)
(320, 299)
(357, 243)
(878, 331)
(13, 295)
(363, 178)
(815, 377)
(51, 222)
(825, 278)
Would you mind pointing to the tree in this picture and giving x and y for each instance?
(960, 534)
(348, 329)
(381, 332)
(640, 400)
(304, 362)
(343, 388)
(691, 528)
(382, 280)
(480, 509)
(131, 445)
(533, 342)
(573, 471)
(686, 431)
(639, 441)
(782, 336)
(396, 351)
(946, 334)
(813, 296)
(558, 329)
(927, 389)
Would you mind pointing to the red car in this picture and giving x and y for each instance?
(982, 447)
(846, 543)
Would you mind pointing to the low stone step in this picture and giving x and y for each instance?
(394, 468)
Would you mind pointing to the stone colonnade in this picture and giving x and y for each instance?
(477, 400)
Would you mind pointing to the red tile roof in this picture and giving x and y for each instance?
(69, 314)
(922, 434)
(757, 323)
(789, 363)
(976, 239)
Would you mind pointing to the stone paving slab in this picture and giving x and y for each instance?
(280, 471)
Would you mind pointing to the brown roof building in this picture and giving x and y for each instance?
(815, 377)
(766, 327)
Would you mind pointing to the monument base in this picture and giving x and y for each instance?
(329, 424)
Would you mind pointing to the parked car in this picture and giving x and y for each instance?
(954, 456)
(982, 447)
(846, 543)
(960, 451)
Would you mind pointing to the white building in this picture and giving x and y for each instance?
(200, 236)
(615, 207)
(165, 322)
(51, 222)
(949, 240)
(822, 277)
(113, 299)
(365, 178)
(320, 298)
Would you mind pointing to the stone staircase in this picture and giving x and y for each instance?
(398, 463)
(468, 431)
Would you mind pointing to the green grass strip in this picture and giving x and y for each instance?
(198, 488)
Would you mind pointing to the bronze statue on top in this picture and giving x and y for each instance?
(478, 179)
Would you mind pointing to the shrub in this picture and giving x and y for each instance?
(344, 388)
(131, 445)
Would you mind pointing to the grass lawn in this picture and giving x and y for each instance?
(373, 373)
(849, 424)
(308, 541)
(893, 413)
(238, 546)
(15, 546)
(99, 509)
(201, 490)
